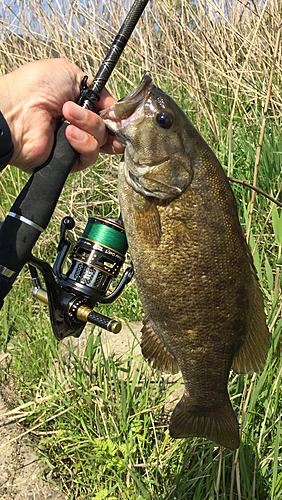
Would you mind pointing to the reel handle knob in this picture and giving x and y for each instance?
(84, 313)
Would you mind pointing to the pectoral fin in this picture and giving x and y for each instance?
(155, 351)
(147, 220)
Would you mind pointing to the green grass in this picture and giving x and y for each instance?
(103, 431)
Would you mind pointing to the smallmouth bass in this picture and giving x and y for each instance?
(194, 271)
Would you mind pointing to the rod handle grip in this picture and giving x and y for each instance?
(32, 210)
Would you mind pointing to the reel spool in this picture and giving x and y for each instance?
(97, 257)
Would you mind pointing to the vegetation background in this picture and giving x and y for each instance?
(100, 429)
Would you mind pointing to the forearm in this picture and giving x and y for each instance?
(6, 152)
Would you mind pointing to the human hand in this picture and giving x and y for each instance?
(35, 96)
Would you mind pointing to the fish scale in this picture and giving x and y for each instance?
(194, 271)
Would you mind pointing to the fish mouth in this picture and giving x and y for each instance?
(126, 106)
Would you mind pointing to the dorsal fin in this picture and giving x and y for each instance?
(155, 351)
(252, 354)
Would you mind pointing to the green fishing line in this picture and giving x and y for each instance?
(106, 235)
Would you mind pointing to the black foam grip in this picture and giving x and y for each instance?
(39, 197)
(5, 287)
(36, 202)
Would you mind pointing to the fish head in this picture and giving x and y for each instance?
(152, 128)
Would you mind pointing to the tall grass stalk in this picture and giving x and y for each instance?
(262, 131)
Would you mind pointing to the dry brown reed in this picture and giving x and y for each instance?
(218, 53)
(205, 48)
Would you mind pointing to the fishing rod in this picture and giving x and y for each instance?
(98, 254)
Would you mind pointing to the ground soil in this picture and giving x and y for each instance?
(20, 468)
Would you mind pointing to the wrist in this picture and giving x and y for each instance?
(6, 144)
(11, 109)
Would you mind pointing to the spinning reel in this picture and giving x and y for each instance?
(97, 259)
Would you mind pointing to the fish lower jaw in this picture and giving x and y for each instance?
(123, 110)
(133, 181)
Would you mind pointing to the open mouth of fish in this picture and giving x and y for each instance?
(126, 106)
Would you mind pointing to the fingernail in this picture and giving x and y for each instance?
(79, 113)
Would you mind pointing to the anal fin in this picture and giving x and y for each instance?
(155, 351)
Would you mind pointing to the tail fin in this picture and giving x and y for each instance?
(220, 426)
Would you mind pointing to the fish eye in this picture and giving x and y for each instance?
(164, 120)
